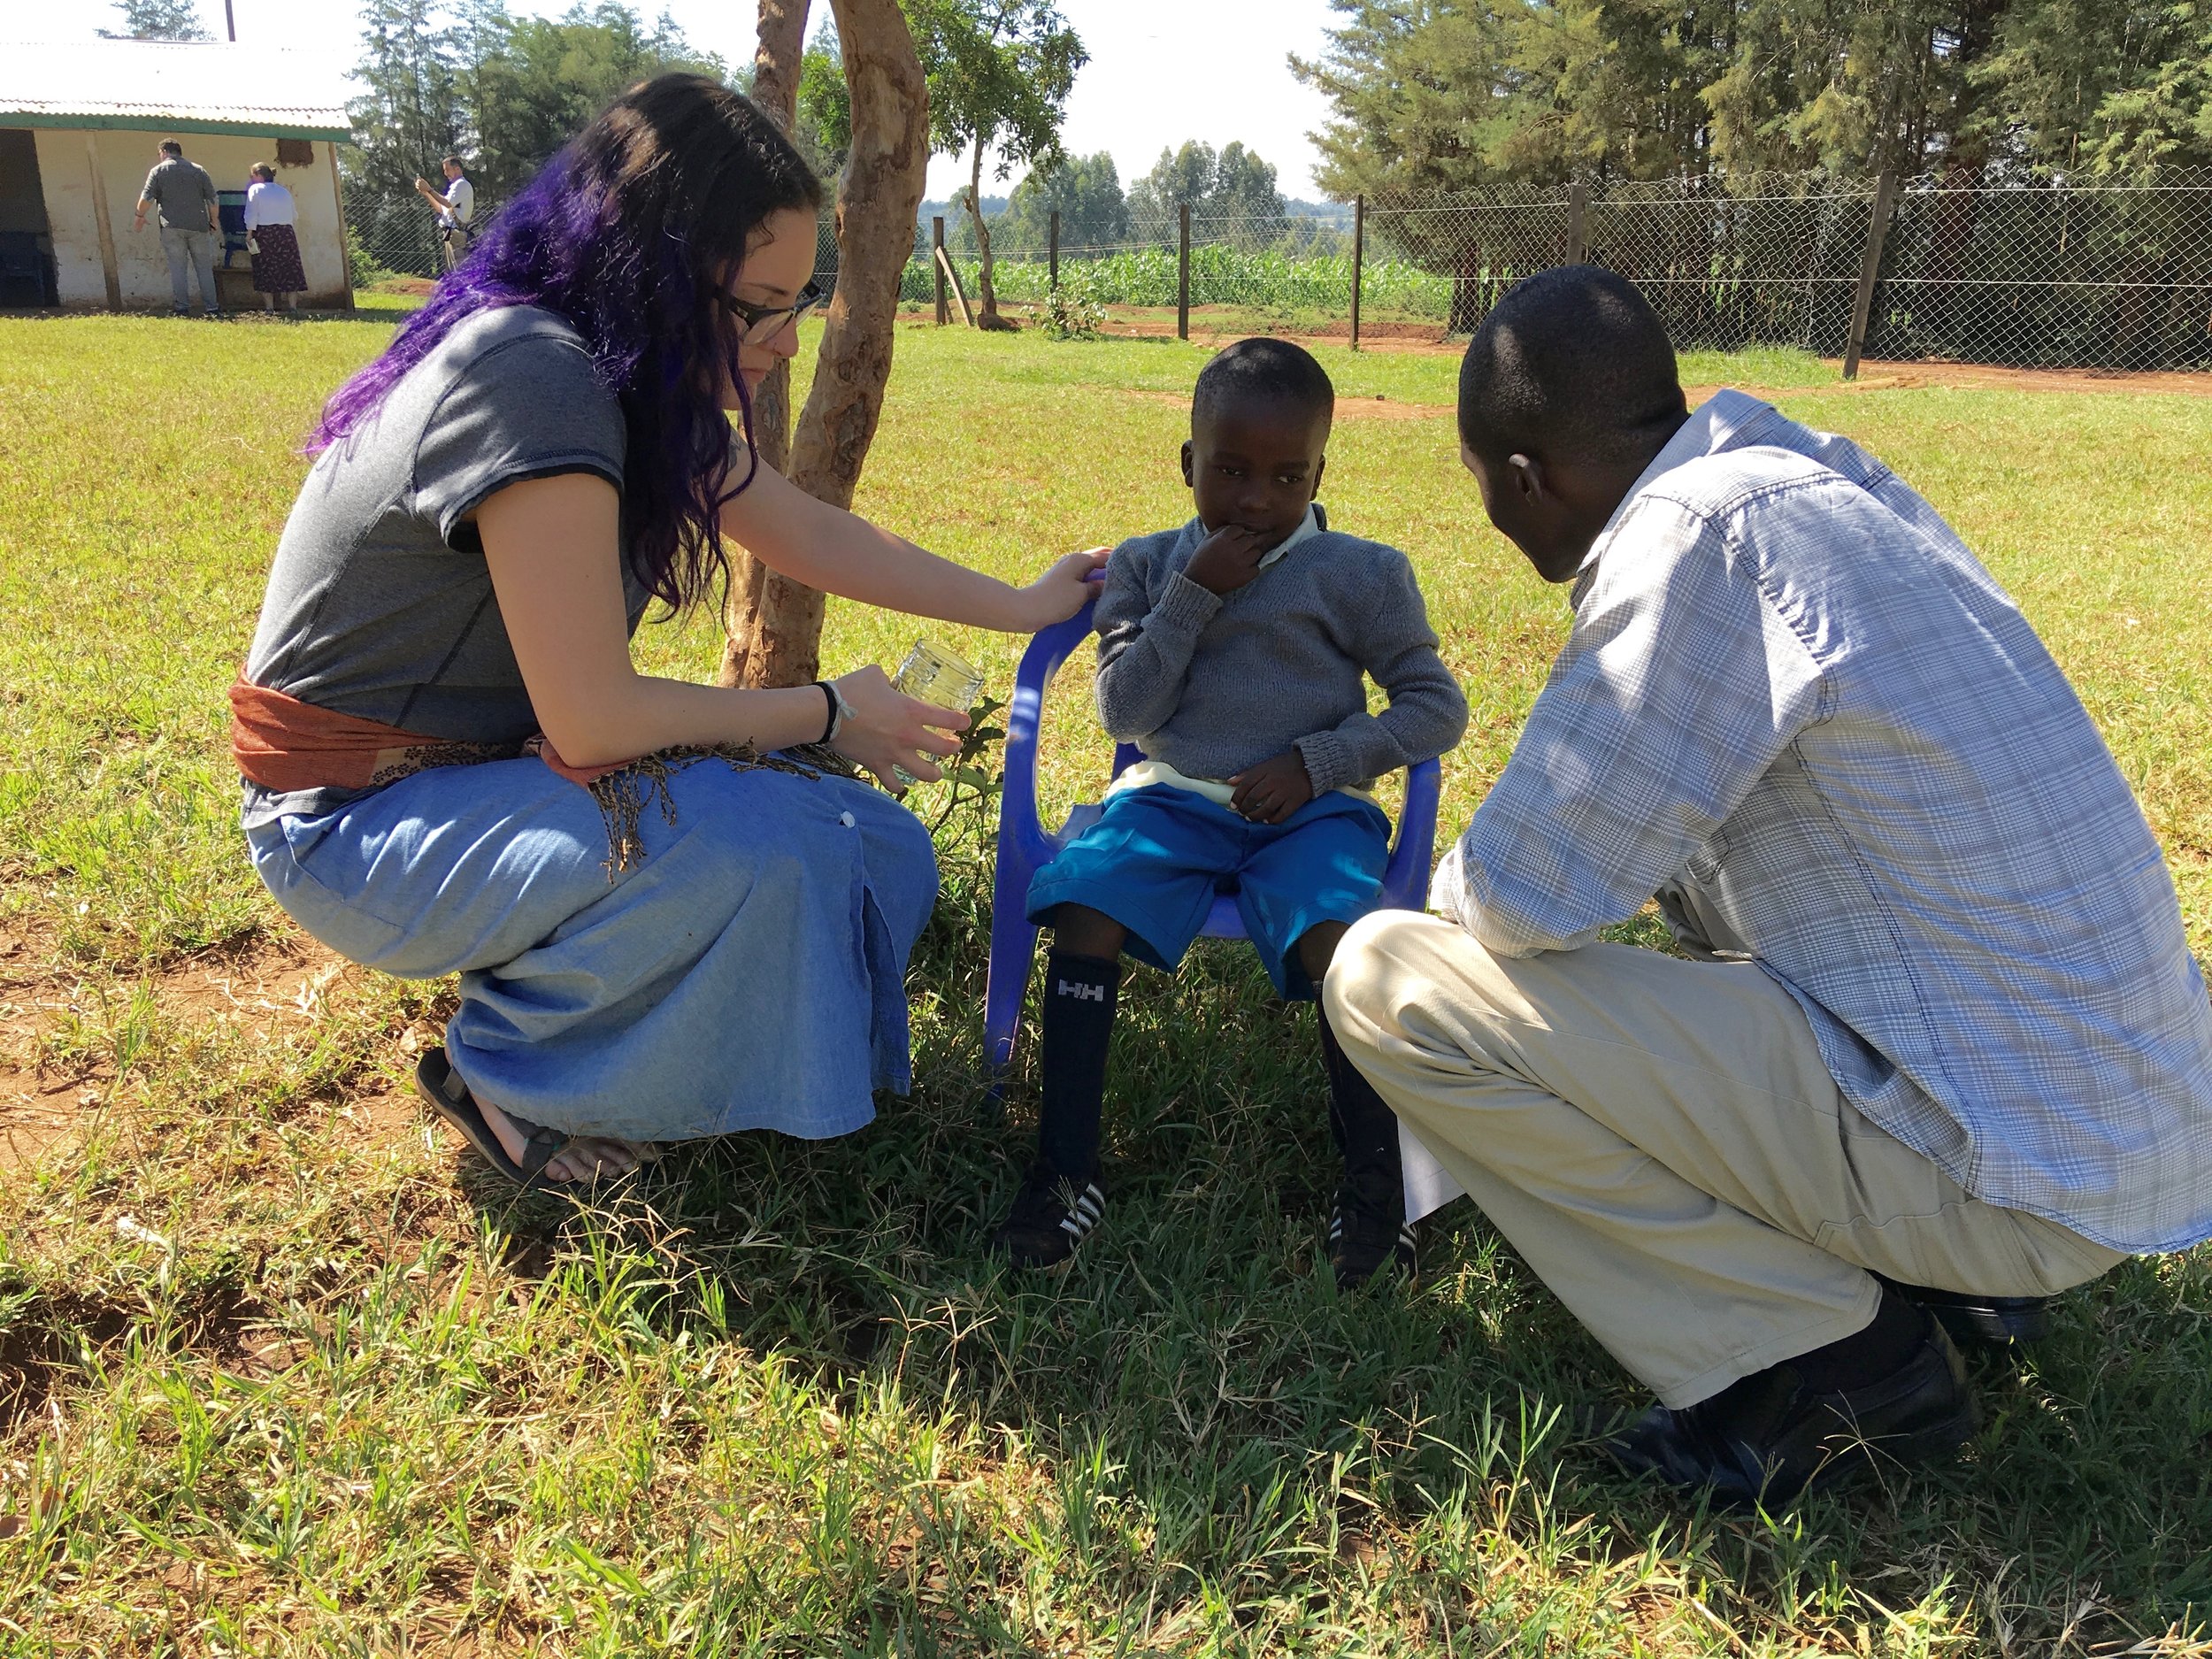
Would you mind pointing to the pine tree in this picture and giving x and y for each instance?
(410, 115)
(157, 20)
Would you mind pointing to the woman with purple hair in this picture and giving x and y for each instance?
(673, 913)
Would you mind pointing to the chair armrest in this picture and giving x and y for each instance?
(1406, 880)
(1019, 832)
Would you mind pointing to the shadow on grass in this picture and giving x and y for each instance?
(1217, 1415)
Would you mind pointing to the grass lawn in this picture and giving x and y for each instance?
(280, 1372)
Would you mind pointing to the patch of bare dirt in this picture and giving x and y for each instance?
(1878, 377)
(270, 980)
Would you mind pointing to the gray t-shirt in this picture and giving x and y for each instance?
(380, 602)
(183, 193)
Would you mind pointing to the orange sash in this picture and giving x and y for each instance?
(286, 745)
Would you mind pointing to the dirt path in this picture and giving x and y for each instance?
(1210, 328)
(48, 1096)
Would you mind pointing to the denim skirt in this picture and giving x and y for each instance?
(747, 973)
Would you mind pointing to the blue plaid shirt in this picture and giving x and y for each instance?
(1790, 685)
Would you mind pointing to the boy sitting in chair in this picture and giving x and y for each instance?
(1231, 651)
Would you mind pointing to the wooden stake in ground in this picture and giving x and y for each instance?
(779, 643)
(776, 90)
(947, 271)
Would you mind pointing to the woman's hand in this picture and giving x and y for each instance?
(825, 547)
(886, 728)
(1071, 584)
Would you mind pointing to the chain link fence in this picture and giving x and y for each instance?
(2048, 272)
(388, 239)
(2035, 271)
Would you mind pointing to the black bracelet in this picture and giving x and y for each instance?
(829, 692)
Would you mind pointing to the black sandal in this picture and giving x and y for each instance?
(438, 1083)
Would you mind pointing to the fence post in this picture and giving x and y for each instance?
(1577, 221)
(1052, 242)
(1182, 276)
(937, 264)
(1359, 250)
(1870, 269)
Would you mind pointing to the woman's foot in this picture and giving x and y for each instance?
(584, 1160)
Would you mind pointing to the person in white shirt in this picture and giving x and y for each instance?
(273, 244)
(456, 207)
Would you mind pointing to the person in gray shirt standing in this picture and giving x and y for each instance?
(189, 225)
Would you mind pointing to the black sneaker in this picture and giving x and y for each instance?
(1052, 1215)
(1769, 1438)
(1368, 1232)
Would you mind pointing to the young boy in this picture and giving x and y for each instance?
(1231, 651)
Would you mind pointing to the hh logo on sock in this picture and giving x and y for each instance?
(1081, 993)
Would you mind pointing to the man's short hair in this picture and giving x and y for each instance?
(170, 147)
(452, 161)
(1263, 371)
(1572, 362)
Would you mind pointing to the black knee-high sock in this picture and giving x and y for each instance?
(1366, 1130)
(1079, 1022)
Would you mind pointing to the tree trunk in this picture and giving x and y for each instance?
(776, 90)
(780, 640)
(988, 317)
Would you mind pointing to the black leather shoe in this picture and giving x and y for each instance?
(1768, 1438)
(1982, 1321)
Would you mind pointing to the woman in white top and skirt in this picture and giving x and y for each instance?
(272, 245)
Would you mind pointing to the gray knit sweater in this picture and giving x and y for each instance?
(1212, 684)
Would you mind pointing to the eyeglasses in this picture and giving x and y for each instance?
(763, 323)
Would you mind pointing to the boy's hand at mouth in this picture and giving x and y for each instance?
(1271, 791)
(1227, 559)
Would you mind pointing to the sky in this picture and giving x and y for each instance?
(1160, 70)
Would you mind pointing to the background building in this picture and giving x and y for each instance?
(78, 127)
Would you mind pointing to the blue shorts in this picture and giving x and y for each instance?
(1157, 856)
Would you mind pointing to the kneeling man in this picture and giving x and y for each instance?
(1944, 1043)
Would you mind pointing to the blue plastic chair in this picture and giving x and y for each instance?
(230, 208)
(1025, 846)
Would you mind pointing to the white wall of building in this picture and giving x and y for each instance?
(123, 156)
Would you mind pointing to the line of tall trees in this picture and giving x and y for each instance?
(1436, 95)
(1232, 193)
(502, 92)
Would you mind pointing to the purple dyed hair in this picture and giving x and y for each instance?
(627, 232)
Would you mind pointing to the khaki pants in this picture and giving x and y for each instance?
(1662, 1144)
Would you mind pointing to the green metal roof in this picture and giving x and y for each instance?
(173, 87)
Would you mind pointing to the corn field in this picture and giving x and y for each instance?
(1145, 278)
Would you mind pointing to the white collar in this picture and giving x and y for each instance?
(1308, 526)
